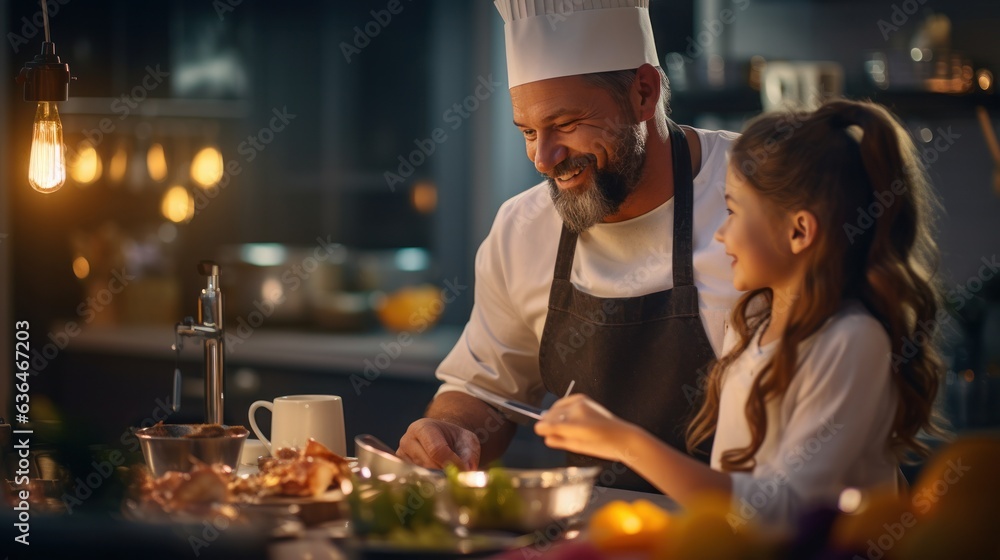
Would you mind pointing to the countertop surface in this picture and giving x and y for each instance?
(317, 543)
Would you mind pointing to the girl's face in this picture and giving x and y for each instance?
(756, 236)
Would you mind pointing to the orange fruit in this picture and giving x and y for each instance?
(411, 309)
(619, 526)
(703, 534)
(709, 528)
(955, 500)
(961, 479)
(654, 519)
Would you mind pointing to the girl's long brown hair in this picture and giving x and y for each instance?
(854, 167)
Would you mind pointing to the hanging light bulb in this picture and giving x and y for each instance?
(46, 81)
(47, 164)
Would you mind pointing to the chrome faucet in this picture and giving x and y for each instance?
(209, 329)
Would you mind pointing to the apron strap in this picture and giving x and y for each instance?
(566, 254)
(683, 245)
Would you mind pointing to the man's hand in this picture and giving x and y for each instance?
(459, 429)
(434, 444)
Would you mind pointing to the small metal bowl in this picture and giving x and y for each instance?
(173, 447)
(530, 499)
(380, 459)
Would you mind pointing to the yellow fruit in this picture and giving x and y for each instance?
(619, 526)
(654, 519)
(412, 309)
(955, 501)
(961, 480)
(707, 529)
(703, 534)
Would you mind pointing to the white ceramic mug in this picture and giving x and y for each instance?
(296, 418)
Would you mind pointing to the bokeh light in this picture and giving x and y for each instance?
(85, 167)
(177, 205)
(156, 163)
(207, 167)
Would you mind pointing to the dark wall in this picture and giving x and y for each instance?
(845, 32)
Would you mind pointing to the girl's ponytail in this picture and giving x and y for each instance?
(902, 260)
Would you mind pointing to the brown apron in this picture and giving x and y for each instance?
(640, 357)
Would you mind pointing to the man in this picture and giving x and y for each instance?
(606, 274)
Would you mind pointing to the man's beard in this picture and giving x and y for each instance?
(602, 196)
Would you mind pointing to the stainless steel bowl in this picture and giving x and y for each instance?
(380, 459)
(526, 500)
(170, 448)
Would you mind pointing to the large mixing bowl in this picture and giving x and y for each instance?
(521, 500)
(174, 447)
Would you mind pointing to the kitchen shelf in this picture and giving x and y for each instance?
(924, 104)
(283, 348)
(157, 107)
(933, 105)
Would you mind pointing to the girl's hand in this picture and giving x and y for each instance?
(580, 425)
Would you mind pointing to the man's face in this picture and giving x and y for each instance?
(591, 150)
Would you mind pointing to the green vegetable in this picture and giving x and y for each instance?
(497, 504)
(398, 512)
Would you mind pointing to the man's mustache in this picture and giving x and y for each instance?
(571, 166)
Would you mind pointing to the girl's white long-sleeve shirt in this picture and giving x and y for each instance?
(828, 432)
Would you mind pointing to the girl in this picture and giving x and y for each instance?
(828, 374)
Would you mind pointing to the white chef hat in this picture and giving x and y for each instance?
(554, 38)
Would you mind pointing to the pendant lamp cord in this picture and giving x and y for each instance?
(45, 19)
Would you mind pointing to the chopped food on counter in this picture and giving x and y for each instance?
(306, 472)
(203, 492)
